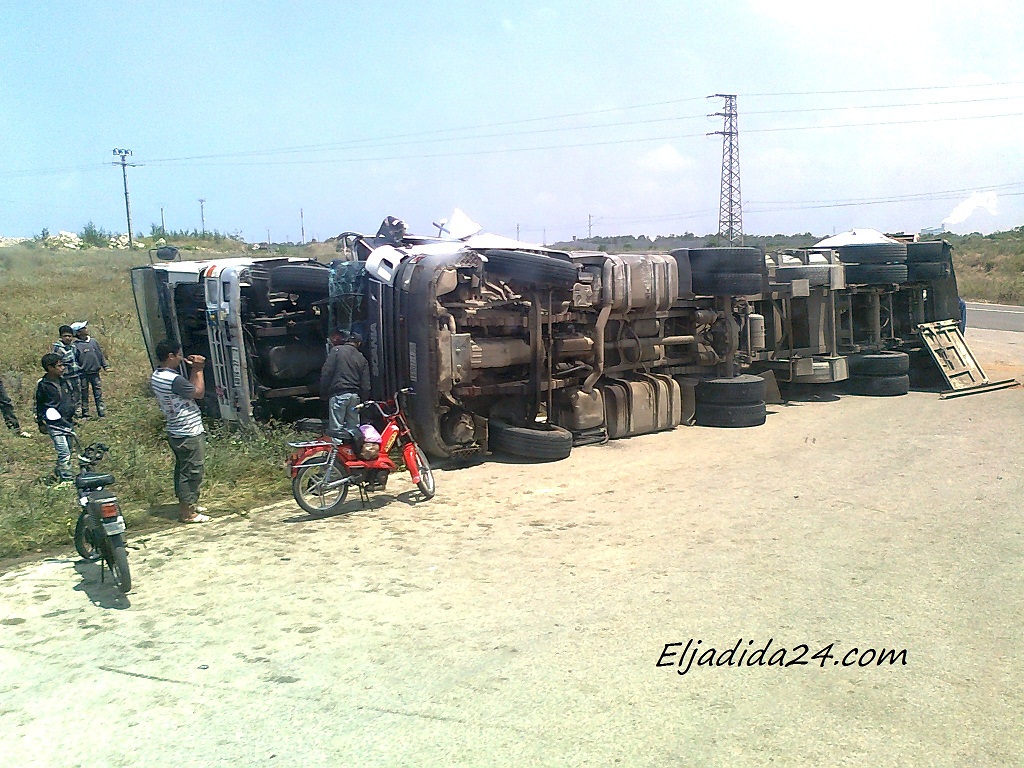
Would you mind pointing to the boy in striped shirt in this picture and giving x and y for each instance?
(177, 397)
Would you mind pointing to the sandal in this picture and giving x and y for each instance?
(198, 517)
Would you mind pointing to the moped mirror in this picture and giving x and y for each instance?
(52, 414)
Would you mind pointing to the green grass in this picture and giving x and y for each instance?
(42, 289)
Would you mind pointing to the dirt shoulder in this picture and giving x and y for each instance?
(519, 617)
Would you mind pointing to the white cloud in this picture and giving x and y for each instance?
(664, 159)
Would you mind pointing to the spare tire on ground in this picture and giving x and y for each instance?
(545, 442)
(730, 415)
(878, 386)
(745, 388)
(879, 364)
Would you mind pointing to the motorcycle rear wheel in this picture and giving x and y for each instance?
(308, 486)
(426, 483)
(84, 544)
(119, 564)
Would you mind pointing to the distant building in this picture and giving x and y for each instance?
(933, 230)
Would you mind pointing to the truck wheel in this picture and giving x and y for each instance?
(727, 283)
(546, 442)
(927, 270)
(880, 364)
(930, 250)
(731, 415)
(743, 389)
(814, 274)
(299, 278)
(875, 274)
(532, 268)
(874, 253)
(726, 260)
(878, 386)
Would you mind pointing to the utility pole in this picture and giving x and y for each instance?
(590, 226)
(302, 225)
(163, 227)
(202, 212)
(730, 209)
(124, 154)
(517, 231)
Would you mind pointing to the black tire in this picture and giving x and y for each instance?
(119, 564)
(879, 364)
(299, 278)
(874, 253)
(547, 444)
(928, 270)
(930, 250)
(426, 483)
(875, 274)
(730, 415)
(878, 386)
(739, 390)
(737, 260)
(84, 544)
(534, 268)
(814, 274)
(308, 491)
(727, 283)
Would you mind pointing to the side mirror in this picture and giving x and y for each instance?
(52, 414)
(167, 253)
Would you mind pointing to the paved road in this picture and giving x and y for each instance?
(519, 617)
(997, 317)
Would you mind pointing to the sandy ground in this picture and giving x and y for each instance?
(519, 618)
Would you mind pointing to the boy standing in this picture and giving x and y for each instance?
(65, 349)
(90, 357)
(54, 391)
(177, 397)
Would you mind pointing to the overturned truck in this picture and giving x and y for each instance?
(509, 346)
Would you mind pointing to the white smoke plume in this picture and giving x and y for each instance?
(963, 211)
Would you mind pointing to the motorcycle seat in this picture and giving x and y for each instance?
(90, 480)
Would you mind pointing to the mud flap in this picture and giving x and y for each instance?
(959, 367)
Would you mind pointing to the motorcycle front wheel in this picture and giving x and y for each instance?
(84, 544)
(426, 483)
(119, 564)
(319, 488)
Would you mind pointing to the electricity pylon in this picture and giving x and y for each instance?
(730, 208)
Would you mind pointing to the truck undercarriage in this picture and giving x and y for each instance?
(531, 350)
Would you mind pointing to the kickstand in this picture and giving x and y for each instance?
(364, 497)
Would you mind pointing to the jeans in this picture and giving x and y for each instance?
(75, 386)
(97, 393)
(189, 467)
(342, 415)
(62, 444)
(7, 408)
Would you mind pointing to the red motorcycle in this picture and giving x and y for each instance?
(323, 469)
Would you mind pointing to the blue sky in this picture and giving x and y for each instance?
(546, 117)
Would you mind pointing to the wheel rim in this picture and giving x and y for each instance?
(426, 475)
(321, 495)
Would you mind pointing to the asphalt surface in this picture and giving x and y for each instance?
(996, 317)
(519, 617)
